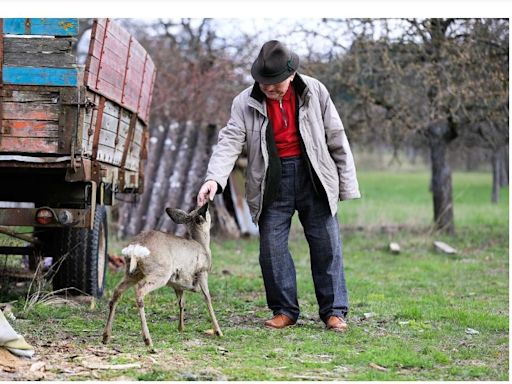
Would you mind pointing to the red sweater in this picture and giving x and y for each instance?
(282, 115)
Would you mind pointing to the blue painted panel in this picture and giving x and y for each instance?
(37, 26)
(60, 77)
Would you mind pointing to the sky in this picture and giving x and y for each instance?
(251, 9)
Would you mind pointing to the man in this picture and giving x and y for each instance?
(298, 159)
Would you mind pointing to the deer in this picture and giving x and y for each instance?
(158, 259)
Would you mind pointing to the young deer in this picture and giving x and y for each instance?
(158, 259)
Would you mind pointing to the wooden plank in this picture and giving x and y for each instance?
(29, 128)
(29, 96)
(109, 123)
(112, 109)
(146, 89)
(107, 138)
(118, 33)
(1, 70)
(21, 111)
(138, 52)
(38, 45)
(62, 77)
(40, 26)
(29, 145)
(41, 59)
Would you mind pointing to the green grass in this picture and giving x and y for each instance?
(421, 303)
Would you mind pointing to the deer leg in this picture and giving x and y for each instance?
(181, 303)
(141, 290)
(203, 283)
(126, 283)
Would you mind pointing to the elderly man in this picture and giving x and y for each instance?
(299, 159)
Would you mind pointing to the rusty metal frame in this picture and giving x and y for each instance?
(26, 217)
(127, 145)
(97, 127)
(101, 54)
(126, 69)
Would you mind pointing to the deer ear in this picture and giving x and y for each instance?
(202, 211)
(177, 215)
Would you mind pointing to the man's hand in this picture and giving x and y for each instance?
(207, 191)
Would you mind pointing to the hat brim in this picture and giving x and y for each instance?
(262, 79)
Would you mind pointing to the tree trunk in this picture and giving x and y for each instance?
(440, 135)
(504, 166)
(496, 177)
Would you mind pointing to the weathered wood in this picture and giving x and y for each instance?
(27, 111)
(29, 59)
(119, 69)
(29, 128)
(41, 97)
(59, 77)
(38, 45)
(29, 145)
(40, 26)
(1, 71)
(146, 89)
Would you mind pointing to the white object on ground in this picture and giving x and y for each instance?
(14, 342)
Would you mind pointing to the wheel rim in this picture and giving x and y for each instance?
(102, 258)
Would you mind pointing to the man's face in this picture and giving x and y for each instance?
(276, 91)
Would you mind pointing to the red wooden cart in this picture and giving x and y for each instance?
(70, 138)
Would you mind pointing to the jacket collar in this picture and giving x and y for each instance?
(298, 84)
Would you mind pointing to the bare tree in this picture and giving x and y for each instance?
(430, 77)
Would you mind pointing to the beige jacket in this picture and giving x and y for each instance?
(322, 133)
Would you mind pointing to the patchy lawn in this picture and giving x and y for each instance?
(418, 315)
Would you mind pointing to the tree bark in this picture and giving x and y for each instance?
(496, 176)
(440, 135)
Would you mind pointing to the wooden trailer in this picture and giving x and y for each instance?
(71, 137)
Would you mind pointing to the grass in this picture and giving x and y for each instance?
(412, 314)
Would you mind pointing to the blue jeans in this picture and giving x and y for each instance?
(323, 236)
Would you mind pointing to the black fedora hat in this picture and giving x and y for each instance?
(274, 63)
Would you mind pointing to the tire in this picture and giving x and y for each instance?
(81, 263)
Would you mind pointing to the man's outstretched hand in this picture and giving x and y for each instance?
(207, 191)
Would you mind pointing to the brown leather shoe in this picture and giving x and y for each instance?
(279, 321)
(336, 324)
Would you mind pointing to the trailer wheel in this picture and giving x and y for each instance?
(81, 262)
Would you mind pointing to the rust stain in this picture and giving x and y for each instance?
(66, 25)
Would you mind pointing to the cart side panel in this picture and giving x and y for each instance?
(38, 85)
(119, 68)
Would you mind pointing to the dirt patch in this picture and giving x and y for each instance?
(68, 360)
(10, 362)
